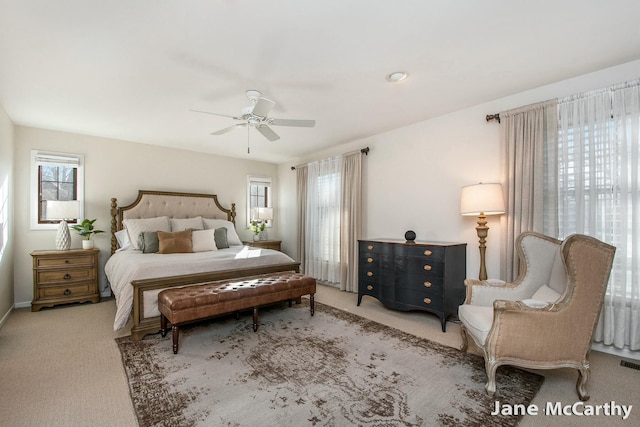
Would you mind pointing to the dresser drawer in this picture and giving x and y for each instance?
(420, 299)
(375, 247)
(428, 252)
(70, 291)
(419, 268)
(53, 262)
(45, 277)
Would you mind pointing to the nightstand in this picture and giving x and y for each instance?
(265, 244)
(62, 277)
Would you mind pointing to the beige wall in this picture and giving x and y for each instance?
(118, 169)
(413, 175)
(6, 215)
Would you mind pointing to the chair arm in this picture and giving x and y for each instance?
(485, 292)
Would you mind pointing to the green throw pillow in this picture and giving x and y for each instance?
(150, 243)
(220, 236)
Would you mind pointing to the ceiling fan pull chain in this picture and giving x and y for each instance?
(248, 144)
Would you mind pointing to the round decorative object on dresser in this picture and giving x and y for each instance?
(410, 236)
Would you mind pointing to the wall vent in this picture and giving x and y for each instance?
(630, 365)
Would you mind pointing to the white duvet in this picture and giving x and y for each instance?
(125, 266)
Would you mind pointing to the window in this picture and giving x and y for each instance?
(258, 196)
(54, 176)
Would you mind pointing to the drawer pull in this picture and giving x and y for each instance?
(427, 284)
(66, 261)
(67, 276)
(67, 292)
(427, 267)
(370, 247)
(369, 273)
(369, 260)
(369, 287)
(427, 252)
(427, 300)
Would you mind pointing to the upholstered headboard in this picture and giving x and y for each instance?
(151, 204)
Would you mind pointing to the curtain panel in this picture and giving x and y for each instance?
(528, 135)
(599, 173)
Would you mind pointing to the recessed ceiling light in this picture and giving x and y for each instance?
(397, 76)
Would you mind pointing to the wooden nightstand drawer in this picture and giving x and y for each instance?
(45, 277)
(45, 262)
(70, 291)
(265, 244)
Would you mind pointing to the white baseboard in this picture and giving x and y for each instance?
(6, 316)
(24, 304)
(624, 352)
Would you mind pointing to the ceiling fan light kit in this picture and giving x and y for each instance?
(256, 115)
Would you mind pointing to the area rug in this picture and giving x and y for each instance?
(332, 369)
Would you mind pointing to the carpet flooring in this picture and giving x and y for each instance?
(332, 369)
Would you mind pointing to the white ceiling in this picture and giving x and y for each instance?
(133, 69)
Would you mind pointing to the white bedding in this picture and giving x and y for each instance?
(125, 266)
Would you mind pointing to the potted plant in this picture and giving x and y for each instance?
(256, 227)
(86, 229)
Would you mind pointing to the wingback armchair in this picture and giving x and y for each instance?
(545, 318)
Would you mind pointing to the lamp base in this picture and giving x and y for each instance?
(63, 238)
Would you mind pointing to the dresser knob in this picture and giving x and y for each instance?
(66, 261)
(369, 273)
(67, 276)
(370, 247)
(427, 252)
(427, 267)
(67, 292)
(427, 300)
(369, 259)
(427, 284)
(369, 288)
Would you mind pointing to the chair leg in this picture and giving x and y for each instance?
(581, 385)
(176, 338)
(312, 304)
(465, 340)
(491, 368)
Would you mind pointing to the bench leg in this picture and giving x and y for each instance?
(176, 334)
(312, 303)
(163, 325)
(255, 319)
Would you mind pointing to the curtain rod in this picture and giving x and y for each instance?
(491, 117)
(364, 151)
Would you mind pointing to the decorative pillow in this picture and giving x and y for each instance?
(186, 224)
(149, 242)
(124, 242)
(545, 293)
(175, 243)
(136, 226)
(203, 240)
(232, 236)
(220, 237)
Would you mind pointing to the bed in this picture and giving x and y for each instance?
(137, 275)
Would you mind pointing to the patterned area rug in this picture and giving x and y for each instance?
(333, 369)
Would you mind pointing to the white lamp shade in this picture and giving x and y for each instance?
(265, 214)
(62, 209)
(482, 198)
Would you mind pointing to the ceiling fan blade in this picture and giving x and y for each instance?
(228, 129)
(268, 133)
(291, 122)
(216, 114)
(262, 107)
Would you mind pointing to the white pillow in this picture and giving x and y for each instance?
(232, 236)
(545, 293)
(203, 241)
(124, 242)
(186, 224)
(135, 227)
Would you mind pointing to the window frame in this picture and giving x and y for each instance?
(34, 193)
(266, 182)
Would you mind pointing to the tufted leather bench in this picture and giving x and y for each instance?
(197, 302)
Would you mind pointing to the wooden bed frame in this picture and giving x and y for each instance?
(150, 204)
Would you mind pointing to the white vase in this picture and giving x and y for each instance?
(256, 237)
(87, 244)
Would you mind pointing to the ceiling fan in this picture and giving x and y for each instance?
(256, 115)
